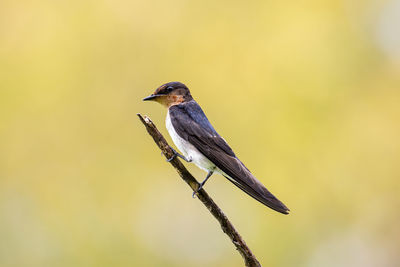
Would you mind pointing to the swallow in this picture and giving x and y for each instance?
(199, 142)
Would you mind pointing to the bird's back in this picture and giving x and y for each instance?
(192, 125)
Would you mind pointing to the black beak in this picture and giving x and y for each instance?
(150, 97)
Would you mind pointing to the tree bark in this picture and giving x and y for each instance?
(226, 225)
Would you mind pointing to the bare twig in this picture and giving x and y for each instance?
(226, 225)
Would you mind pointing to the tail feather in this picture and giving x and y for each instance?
(239, 175)
(261, 194)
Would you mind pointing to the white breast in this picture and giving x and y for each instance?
(188, 150)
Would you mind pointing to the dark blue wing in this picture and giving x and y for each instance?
(190, 122)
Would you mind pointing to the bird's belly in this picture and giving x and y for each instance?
(188, 150)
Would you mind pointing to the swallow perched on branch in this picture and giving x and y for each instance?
(197, 139)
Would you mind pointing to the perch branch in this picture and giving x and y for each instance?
(226, 225)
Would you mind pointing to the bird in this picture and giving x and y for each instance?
(199, 142)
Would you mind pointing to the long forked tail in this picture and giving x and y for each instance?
(260, 193)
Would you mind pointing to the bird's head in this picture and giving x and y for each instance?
(169, 94)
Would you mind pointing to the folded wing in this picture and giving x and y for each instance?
(192, 125)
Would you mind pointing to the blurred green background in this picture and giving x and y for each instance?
(307, 94)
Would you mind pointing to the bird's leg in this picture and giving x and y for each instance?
(179, 155)
(202, 183)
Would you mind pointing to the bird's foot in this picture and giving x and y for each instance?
(202, 183)
(195, 192)
(173, 156)
(176, 154)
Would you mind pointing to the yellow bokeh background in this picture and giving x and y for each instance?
(307, 94)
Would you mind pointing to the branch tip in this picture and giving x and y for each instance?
(227, 227)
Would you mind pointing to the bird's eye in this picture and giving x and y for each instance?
(170, 88)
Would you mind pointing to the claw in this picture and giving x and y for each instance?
(202, 183)
(176, 154)
(171, 158)
(197, 191)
